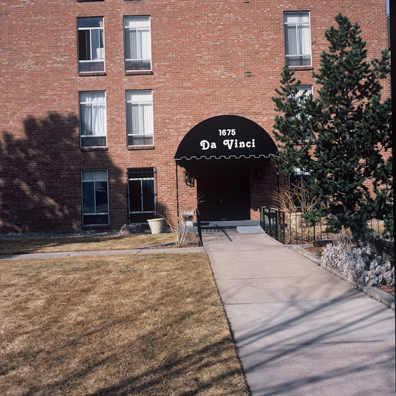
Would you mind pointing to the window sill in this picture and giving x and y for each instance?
(82, 1)
(138, 72)
(301, 68)
(85, 149)
(91, 74)
(141, 147)
(96, 227)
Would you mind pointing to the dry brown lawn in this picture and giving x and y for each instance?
(51, 245)
(115, 325)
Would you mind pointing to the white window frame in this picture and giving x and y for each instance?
(298, 44)
(100, 62)
(94, 180)
(142, 23)
(141, 114)
(94, 134)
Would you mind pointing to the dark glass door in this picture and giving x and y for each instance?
(223, 191)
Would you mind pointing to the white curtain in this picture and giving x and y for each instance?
(131, 44)
(86, 118)
(137, 37)
(140, 112)
(147, 112)
(141, 119)
(93, 113)
(291, 40)
(297, 33)
(304, 40)
(145, 44)
(133, 119)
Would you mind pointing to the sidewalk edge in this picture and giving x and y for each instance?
(373, 292)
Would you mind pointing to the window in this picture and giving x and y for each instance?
(90, 44)
(95, 199)
(137, 41)
(297, 38)
(92, 119)
(140, 130)
(141, 192)
(303, 89)
(302, 94)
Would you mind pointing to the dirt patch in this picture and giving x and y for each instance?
(317, 251)
(387, 289)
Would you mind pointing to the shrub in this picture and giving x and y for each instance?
(359, 264)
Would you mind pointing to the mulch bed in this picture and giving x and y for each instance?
(387, 289)
(317, 251)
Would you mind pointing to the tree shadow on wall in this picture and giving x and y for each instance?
(40, 175)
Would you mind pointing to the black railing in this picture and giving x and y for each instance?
(291, 228)
(272, 221)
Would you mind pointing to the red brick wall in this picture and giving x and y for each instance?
(200, 52)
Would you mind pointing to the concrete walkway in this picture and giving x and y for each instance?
(300, 330)
(102, 253)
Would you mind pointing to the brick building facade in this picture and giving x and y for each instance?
(97, 96)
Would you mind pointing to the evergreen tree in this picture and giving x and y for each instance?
(341, 137)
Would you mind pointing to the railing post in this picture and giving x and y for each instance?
(308, 232)
(314, 234)
(273, 223)
(199, 227)
(321, 233)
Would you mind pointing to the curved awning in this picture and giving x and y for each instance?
(226, 136)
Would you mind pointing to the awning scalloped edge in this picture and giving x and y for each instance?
(222, 157)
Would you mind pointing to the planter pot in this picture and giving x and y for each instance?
(156, 225)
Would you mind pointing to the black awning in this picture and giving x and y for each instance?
(226, 136)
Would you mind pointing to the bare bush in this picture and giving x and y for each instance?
(344, 239)
(294, 198)
(181, 228)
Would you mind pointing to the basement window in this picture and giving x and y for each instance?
(95, 197)
(141, 194)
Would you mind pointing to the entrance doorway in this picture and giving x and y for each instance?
(223, 190)
(220, 153)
